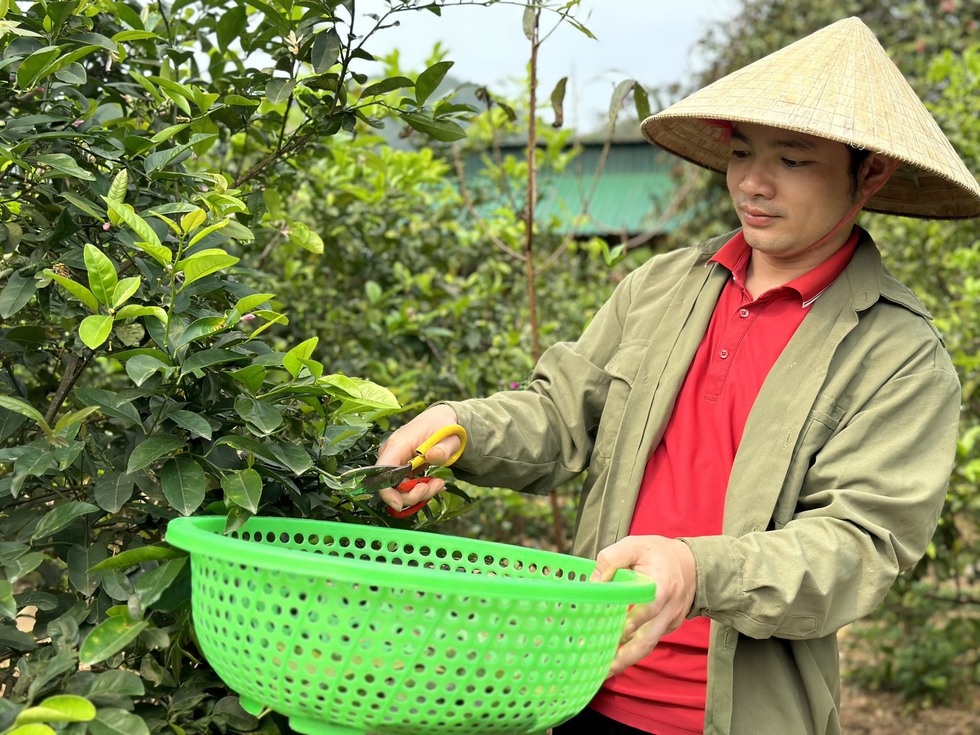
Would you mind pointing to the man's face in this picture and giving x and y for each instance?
(789, 190)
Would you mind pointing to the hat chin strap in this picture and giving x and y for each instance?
(891, 166)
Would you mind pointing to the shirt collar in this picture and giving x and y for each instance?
(736, 253)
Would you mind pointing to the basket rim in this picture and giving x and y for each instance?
(202, 535)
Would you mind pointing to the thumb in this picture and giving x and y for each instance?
(441, 452)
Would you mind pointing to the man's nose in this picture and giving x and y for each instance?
(756, 180)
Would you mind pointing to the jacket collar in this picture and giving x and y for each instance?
(868, 279)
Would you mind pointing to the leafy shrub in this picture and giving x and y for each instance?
(142, 375)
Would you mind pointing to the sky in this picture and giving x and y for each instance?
(646, 40)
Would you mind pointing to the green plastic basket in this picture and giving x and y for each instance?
(351, 629)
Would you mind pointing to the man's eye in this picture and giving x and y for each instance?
(740, 154)
(793, 164)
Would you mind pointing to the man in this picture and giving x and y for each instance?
(768, 420)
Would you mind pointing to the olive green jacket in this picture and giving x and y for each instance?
(835, 490)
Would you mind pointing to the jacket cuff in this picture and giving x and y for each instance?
(719, 575)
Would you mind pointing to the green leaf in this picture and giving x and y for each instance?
(133, 557)
(530, 21)
(442, 130)
(251, 377)
(116, 682)
(75, 289)
(34, 64)
(429, 80)
(183, 482)
(206, 358)
(113, 491)
(109, 638)
(133, 36)
(81, 559)
(618, 97)
(231, 27)
(169, 132)
(152, 449)
(192, 220)
(124, 290)
(135, 310)
(110, 403)
(127, 214)
(247, 303)
(95, 329)
(155, 582)
(117, 190)
(60, 708)
(293, 457)
(32, 729)
(25, 409)
(387, 85)
(142, 367)
(61, 517)
(16, 639)
(279, 90)
(325, 50)
(194, 423)
(263, 416)
(16, 294)
(558, 101)
(200, 329)
(301, 235)
(292, 359)
(244, 488)
(204, 264)
(117, 722)
(61, 164)
(198, 236)
(74, 417)
(641, 101)
(8, 605)
(102, 278)
(82, 204)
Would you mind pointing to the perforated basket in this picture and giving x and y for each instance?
(352, 629)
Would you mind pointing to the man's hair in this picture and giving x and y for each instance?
(858, 156)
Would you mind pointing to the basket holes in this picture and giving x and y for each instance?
(472, 558)
(504, 562)
(344, 542)
(408, 549)
(559, 573)
(457, 555)
(245, 536)
(298, 538)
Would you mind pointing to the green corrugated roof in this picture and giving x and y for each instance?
(630, 195)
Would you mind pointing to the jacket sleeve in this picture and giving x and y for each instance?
(534, 439)
(867, 509)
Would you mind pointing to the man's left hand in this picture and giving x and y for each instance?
(669, 563)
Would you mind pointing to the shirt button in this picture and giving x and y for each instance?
(744, 313)
(723, 354)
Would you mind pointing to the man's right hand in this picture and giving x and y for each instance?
(400, 449)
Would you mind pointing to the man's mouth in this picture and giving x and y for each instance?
(756, 217)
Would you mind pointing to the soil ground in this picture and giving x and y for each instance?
(880, 713)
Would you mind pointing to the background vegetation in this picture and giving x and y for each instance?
(234, 256)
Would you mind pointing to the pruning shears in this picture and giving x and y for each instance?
(400, 476)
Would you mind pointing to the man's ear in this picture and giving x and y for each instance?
(875, 170)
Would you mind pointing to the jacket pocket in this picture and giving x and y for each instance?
(622, 369)
(823, 420)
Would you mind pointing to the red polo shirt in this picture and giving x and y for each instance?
(683, 489)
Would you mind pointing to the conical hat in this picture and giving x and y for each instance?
(837, 83)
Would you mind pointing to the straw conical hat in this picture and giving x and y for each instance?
(837, 83)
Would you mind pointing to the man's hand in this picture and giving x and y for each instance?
(669, 563)
(400, 448)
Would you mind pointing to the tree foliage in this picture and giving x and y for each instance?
(148, 371)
